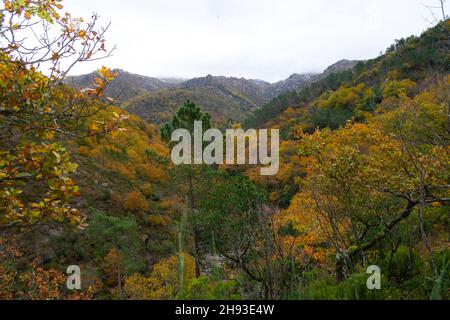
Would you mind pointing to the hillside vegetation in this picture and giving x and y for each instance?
(87, 180)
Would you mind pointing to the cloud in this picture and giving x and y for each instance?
(265, 39)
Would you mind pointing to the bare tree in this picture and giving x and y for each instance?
(433, 7)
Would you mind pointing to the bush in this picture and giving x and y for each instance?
(207, 288)
(354, 288)
(404, 265)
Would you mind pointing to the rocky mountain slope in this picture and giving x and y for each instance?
(125, 86)
(225, 98)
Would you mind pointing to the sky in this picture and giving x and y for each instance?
(254, 39)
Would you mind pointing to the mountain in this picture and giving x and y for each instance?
(173, 80)
(225, 98)
(341, 65)
(157, 107)
(362, 179)
(296, 89)
(298, 81)
(251, 92)
(351, 89)
(126, 85)
(294, 82)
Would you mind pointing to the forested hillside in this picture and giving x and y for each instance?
(414, 59)
(368, 151)
(86, 179)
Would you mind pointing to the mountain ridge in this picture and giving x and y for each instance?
(226, 98)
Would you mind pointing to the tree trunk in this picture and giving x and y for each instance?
(339, 269)
(425, 239)
(119, 275)
(196, 231)
(443, 10)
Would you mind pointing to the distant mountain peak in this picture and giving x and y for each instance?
(125, 86)
(293, 82)
(341, 65)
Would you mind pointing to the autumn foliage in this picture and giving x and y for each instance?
(364, 180)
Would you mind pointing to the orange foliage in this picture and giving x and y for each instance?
(135, 202)
(153, 173)
(162, 284)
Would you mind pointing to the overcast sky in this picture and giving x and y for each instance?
(263, 39)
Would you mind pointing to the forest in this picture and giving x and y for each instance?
(364, 179)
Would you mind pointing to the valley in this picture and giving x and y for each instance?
(361, 182)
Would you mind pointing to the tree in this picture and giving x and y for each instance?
(243, 230)
(135, 202)
(36, 110)
(119, 238)
(365, 180)
(163, 281)
(164, 277)
(33, 281)
(228, 208)
(422, 126)
(437, 5)
(181, 253)
(184, 118)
